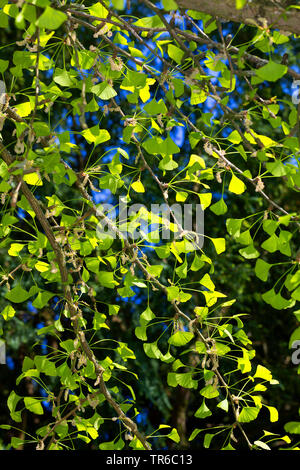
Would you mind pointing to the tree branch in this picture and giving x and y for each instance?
(254, 13)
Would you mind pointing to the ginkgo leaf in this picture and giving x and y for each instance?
(273, 413)
(236, 185)
(33, 405)
(96, 136)
(175, 53)
(272, 71)
(219, 244)
(263, 373)
(15, 249)
(8, 312)
(138, 186)
(262, 269)
(17, 294)
(180, 338)
(248, 413)
(34, 179)
(203, 411)
(51, 18)
(104, 91)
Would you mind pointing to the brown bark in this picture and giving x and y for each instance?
(180, 414)
(254, 13)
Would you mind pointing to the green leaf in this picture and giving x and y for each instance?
(51, 19)
(141, 332)
(262, 269)
(27, 364)
(239, 4)
(152, 351)
(174, 435)
(17, 443)
(293, 427)
(3, 20)
(272, 71)
(17, 295)
(271, 244)
(207, 440)
(98, 9)
(8, 312)
(99, 321)
(64, 78)
(33, 405)
(34, 179)
(44, 365)
(203, 411)
(106, 279)
(209, 391)
(194, 434)
(283, 242)
(12, 402)
(155, 270)
(181, 271)
(3, 65)
(28, 373)
(104, 91)
(295, 336)
(96, 136)
(156, 107)
(62, 429)
(167, 163)
(234, 226)
(270, 226)
(180, 338)
(118, 4)
(276, 300)
(186, 380)
(146, 316)
(228, 447)
(234, 137)
(175, 53)
(296, 294)
(249, 252)
(109, 445)
(224, 405)
(113, 309)
(169, 5)
(219, 208)
(68, 345)
(201, 313)
(42, 299)
(277, 168)
(248, 413)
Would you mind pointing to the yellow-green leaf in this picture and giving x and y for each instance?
(15, 249)
(34, 179)
(236, 185)
(138, 187)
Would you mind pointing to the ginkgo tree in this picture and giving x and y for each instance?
(145, 144)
